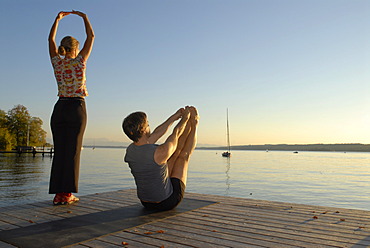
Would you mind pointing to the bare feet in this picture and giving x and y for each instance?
(186, 113)
(194, 116)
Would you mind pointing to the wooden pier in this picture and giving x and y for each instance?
(116, 219)
(34, 150)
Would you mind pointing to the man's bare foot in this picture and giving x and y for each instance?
(186, 113)
(194, 116)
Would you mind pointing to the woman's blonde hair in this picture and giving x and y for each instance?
(67, 44)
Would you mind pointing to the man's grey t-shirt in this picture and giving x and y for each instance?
(152, 180)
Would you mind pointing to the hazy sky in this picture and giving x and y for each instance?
(288, 71)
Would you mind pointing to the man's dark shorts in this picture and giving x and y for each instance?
(172, 201)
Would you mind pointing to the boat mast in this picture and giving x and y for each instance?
(228, 134)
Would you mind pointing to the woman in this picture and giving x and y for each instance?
(68, 120)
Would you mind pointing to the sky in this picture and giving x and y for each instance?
(289, 72)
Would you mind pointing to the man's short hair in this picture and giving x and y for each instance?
(134, 125)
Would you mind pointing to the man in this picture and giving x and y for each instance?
(160, 171)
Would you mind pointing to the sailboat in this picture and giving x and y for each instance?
(227, 154)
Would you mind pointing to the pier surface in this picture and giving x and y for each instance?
(116, 219)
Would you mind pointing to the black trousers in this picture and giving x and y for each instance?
(68, 123)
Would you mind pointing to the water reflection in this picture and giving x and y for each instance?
(227, 176)
(318, 178)
(20, 176)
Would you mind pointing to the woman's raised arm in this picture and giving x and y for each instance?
(86, 50)
(53, 48)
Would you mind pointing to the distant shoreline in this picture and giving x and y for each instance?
(355, 147)
(307, 147)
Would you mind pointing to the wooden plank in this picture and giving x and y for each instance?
(203, 237)
(6, 226)
(239, 231)
(14, 220)
(175, 236)
(235, 201)
(5, 245)
(40, 212)
(31, 216)
(244, 235)
(59, 212)
(96, 243)
(305, 209)
(233, 222)
(289, 223)
(79, 228)
(115, 241)
(314, 230)
(279, 210)
(262, 208)
(323, 220)
(102, 205)
(279, 216)
(147, 240)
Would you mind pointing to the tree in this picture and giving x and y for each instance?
(18, 120)
(2, 119)
(37, 136)
(19, 128)
(7, 140)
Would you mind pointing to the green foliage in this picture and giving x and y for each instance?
(18, 119)
(7, 141)
(37, 136)
(19, 128)
(2, 118)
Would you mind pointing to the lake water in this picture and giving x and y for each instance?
(333, 179)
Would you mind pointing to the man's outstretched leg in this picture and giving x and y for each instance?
(180, 145)
(186, 146)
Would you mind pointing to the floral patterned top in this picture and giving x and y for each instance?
(70, 76)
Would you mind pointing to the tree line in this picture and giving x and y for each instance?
(19, 128)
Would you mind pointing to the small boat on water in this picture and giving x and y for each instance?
(227, 154)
